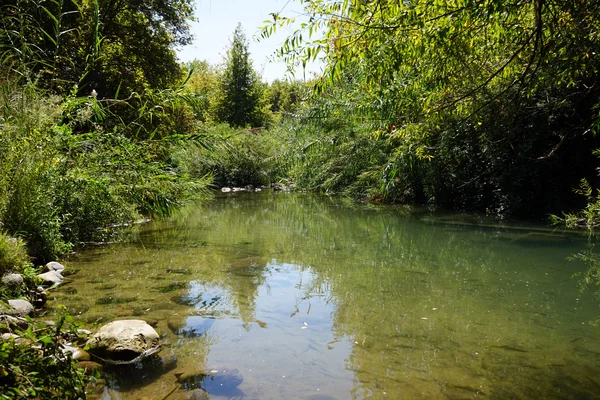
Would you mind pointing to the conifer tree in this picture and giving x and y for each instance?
(239, 101)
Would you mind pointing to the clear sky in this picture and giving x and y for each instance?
(216, 20)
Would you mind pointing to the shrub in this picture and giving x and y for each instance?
(13, 254)
(232, 158)
(34, 366)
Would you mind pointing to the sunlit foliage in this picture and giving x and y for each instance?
(488, 105)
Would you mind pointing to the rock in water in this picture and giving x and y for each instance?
(217, 381)
(54, 266)
(51, 278)
(12, 280)
(20, 307)
(124, 342)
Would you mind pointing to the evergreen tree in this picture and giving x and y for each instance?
(239, 100)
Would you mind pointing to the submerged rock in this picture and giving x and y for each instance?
(20, 307)
(196, 394)
(12, 280)
(218, 381)
(124, 342)
(89, 366)
(176, 324)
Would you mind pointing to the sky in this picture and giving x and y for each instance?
(217, 19)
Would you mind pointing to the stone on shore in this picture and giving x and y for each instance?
(55, 266)
(9, 323)
(12, 280)
(81, 355)
(20, 307)
(5, 337)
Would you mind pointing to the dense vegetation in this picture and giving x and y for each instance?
(476, 105)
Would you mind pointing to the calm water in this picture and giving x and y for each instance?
(304, 298)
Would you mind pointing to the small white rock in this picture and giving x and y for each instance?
(55, 266)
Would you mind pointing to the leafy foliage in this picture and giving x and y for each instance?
(34, 365)
(59, 188)
(231, 157)
(486, 105)
(203, 85)
(13, 254)
(107, 46)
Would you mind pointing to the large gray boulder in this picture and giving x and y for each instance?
(124, 342)
(12, 280)
(51, 278)
(20, 307)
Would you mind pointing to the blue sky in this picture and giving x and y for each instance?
(216, 20)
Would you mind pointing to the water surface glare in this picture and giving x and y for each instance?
(284, 296)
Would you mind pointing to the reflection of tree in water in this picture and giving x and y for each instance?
(244, 277)
(413, 300)
(419, 317)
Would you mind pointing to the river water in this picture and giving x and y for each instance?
(286, 296)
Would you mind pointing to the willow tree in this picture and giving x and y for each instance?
(460, 46)
(494, 100)
(239, 100)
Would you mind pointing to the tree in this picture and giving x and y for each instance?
(138, 40)
(239, 100)
(109, 46)
(285, 96)
(487, 104)
(202, 84)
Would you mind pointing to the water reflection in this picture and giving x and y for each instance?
(298, 297)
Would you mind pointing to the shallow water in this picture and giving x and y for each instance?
(304, 298)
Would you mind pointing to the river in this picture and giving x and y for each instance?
(303, 297)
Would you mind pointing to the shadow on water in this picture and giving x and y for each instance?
(299, 297)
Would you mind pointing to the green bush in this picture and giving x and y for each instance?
(13, 254)
(34, 365)
(232, 157)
